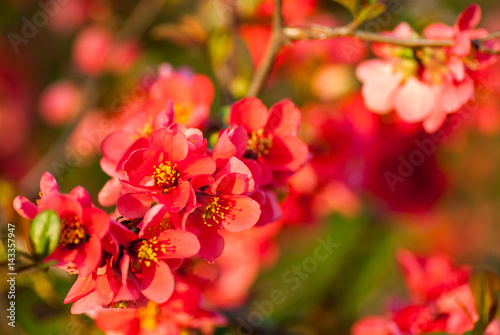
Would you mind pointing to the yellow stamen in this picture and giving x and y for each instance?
(145, 131)
(214, 212)
(166, 176)
(149, 250)
(72, 232)
(119, 304)
(259, 142)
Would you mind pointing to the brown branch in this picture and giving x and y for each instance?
(278, 40)
(319, 32)
(284, 35)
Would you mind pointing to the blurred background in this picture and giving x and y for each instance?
(67, 67)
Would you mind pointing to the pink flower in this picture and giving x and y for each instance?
(426, 84)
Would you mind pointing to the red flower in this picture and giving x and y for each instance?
(161, 173)
(146, 253)
(82, 225)
(221, 203)
(271, 135)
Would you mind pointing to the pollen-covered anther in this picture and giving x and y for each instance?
(149, 316)
(147, 251)
(119, 304)
(72, 232)
(166, 175)
(214, 212)
(259, 142)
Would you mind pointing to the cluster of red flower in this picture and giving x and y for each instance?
(174, 197)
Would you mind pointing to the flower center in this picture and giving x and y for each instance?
(72, 232)
(149, 315)
(148, 251)
(259, 143)
(145, 131)
(166, 176)
(214, 212)
(119, 304)
(182, 111)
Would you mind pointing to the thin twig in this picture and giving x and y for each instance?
(141, 18)
(320, 32)
(284, 35)
(278, 40)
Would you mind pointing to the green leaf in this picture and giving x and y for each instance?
(44, 232)
(485, 286)
(369, 12)
(351, 5)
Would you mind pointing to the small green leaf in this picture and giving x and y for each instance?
(44, 232)
(369, 12)
(485, 286)
(351, 5)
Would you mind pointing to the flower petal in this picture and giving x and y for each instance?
(455, 95)
(48, 184)
(172, 142)
(24, 207)
(86, 304)
(140, 164)
(158, 282)
(195, 165)
(439, 31)
(175, 199)
(414, 101)
(469, 18)
(284, 118)
(81, 287)
(179, 243)
(108, 195)
(133, 205)
(96, 221)
(250, 113)
(211, 243)
(243, 213)
(287, 153)
(376, 74)
(88, 258)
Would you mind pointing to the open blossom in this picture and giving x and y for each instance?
(143, 267)
(175, 96)
(424, 85)
(162, 172)
(222, 203)
(271, 134)
(442, 301)
(82, 225)
(148, 251)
